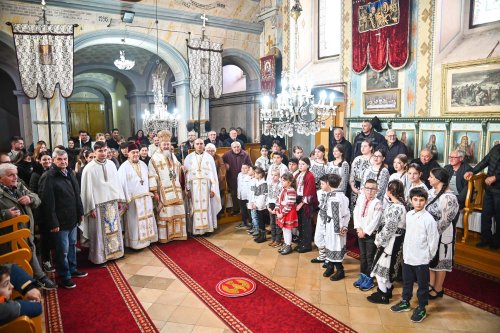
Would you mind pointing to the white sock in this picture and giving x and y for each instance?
(381, 285)
(287, 236)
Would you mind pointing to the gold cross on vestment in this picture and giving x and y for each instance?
(162, 165)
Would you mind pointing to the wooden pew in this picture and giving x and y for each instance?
(21, 256)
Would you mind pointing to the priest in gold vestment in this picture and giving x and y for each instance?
(164, 183)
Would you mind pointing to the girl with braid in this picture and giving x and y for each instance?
(378, 172)
(401, 166)
(389, 242)
(443, 206)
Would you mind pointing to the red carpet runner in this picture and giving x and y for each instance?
(465, 284)
(101, 302)
(271, 308)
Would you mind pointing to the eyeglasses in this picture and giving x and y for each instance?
(371, 189)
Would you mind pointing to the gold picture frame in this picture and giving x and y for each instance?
(467, 88)
(382, 101)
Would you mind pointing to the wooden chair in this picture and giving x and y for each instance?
(21, 256)
(14, 222)
(473, 200)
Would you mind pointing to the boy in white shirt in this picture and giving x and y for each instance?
(263, 161)
(277, 165)
(366, 215)
(419, 247)
(242, 195)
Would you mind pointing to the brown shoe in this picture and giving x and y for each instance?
(278, 244)
(272, 243)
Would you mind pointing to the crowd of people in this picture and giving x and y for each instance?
(116, 194)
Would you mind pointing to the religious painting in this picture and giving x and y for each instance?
(435, 140)
(408, 138)
(267, 74)
(387, 79)
(493, 140)
(353, 132)
(471, 88)
(469, 142)
(378, 14)
(45, 51)
(382, 101)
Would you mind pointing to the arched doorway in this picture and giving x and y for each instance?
(9, 126)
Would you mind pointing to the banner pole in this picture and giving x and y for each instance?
(49, 123)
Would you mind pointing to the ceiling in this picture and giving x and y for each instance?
(107, 54)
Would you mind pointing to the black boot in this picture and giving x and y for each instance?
(389, 292)
(262, 236)
(339, 275)
(287, 249)
(330, 268)
(379, 297)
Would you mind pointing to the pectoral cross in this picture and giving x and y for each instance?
(162, 165)
(378, 35)
(142, 182)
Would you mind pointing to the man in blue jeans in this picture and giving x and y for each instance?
(62, 210)
(491, 203)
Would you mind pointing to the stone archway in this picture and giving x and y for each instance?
(172, 57)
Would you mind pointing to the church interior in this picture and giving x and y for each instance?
(427, 71)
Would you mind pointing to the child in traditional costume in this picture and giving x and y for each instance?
(286, 213)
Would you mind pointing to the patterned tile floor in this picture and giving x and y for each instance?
(174, 308)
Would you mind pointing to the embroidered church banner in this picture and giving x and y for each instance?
(205, 67)
(45, 58)
(380, 34)
(268, 75)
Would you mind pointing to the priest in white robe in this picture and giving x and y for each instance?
(164, 183)
(139, 220)
(102, 198)
(202, 187)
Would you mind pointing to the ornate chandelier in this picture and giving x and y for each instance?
(160, 118)
(294, 110)
(124, 64)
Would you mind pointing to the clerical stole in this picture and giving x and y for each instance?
(108, 218)
(164, 180)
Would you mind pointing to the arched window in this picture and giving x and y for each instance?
(233, 79)
(329, 28)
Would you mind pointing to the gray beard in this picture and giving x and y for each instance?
(167, 153)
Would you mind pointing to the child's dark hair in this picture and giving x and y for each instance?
(383, 153)
(278, 154)
(293, 160)
(248, 164)
(397, 189)
(259, 170)
(419, 192)
(334, 180)
(371, 181)
(306, 160)
(322, 149)
(444, 177)
(341, 149)
(415, 166)
(264, 147)
(4, 270)
(324, 178)
(289, 177)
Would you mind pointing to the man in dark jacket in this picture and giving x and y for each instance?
(367, 133)
(62, 210)
(213, 139)
(491, 201)
(339, 139)
(233, 136)
(427, 164)
(393, 147)
(457, 169)
(186, 145)
(16, 200)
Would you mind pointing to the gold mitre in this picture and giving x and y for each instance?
(164, 136)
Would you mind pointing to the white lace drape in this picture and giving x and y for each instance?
(205, 67)
(45, 58)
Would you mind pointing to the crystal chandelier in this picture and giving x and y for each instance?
(124, 64)
(294, 110)
(160, 118)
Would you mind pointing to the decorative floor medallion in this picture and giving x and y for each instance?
(236, 287)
